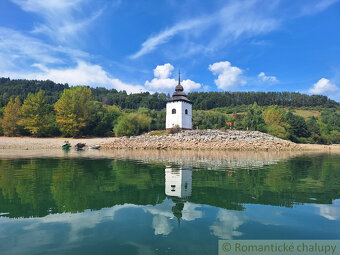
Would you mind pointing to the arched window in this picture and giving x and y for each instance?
(173, 111)
(186, 111)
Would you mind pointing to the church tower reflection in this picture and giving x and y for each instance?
(178, 182)
(178, 186)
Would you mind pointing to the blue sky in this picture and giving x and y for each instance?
(245, 45)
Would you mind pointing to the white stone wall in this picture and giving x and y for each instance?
(180, 118)
(186, 118)
(173, 119)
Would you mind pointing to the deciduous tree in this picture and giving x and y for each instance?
(73, 110)
(273, 115)
(34, 113)
(10, 121)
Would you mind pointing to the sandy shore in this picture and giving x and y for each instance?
(30, 143)
(109, 143)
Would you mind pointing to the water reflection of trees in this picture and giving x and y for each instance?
(40, 187)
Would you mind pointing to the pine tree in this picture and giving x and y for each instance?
(254, 119)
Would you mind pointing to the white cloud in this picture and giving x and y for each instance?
(316, 6)
(324, 87)
(63, 20)
(243, 19)
(330, 212)
(226, 227)
(190, 85)
(161, 225)
(47, 5)
(189, 212)
(153, 42)
(24, 57)
(163, 83)
(82, 74)
(18, 49)
(234, 20)
(163, 215)
(35, 227)
(228, 76)
(163, 71)
(263, 77)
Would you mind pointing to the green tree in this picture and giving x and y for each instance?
(278, 131)
(73, 110)
(334, 137)
(157, 118)
(297, 126)
(254, 120)
(35, 113)
(1, 117)
(273, 115)
(11, 117)
(313, 126)
(132, 124)
(331, 117)
(102, 119)
(208, 119)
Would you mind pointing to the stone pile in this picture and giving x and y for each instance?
(205, 140)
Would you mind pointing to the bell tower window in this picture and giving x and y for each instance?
(173, 111)
(186, 111)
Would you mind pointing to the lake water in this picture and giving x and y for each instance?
(157, 203)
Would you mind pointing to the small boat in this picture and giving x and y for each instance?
(95, 147)
(80, 146)
(66, 146)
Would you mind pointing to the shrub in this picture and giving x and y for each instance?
(335, 137)
(277, 131)
(175, 129)
(132, 124)
(208, 119)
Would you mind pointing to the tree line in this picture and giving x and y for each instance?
(77, 113)
(157, 101)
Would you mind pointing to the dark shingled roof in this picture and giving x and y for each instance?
(179, 95)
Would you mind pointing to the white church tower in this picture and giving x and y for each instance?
(179, 109)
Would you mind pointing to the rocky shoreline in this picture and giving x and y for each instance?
(205, 140)
(231, 140)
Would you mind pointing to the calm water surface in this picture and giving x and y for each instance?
(104, 205)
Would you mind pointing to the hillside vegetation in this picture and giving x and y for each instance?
(44, 108)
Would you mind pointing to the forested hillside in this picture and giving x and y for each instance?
(43, 108)
(201, 100)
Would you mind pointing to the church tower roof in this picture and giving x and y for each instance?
(179, 87)
(179, 94)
